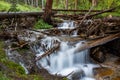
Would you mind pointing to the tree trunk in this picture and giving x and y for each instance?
(32, 3)
(76, 1)
(36, 3)
(66, 4)
(28, 2)
(94, 2)
(25, 1)
(48, 11)
(42, 4)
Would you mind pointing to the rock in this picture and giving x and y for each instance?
(77, 75)
(117, 78)
(114, 47)
(117, 62)
(103, 73)
(98, 54)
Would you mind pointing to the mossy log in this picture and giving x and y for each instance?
(4, 15)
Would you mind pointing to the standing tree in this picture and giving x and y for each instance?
(66, 4)
(76, 1)
(48, 11)
(94, 2)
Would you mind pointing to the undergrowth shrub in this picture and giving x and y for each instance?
(40, 24)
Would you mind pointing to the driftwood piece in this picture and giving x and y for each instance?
(48, 52)
(98, 42)
(19, 14)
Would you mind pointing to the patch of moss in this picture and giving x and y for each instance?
(3, 76)
(14, 71)
(65, 79)
(40, 24)
(11, 66)
(5, 6)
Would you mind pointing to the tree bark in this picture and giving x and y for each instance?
(48, 11)
(4, 15)
(94, 2)
(76, 1)
(101, 41)
(42, 4)
(66, 4)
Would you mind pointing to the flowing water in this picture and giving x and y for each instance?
(67, 25)
(65, 61)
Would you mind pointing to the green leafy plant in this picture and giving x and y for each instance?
(4, 6)
(3, 77)
(40, 24)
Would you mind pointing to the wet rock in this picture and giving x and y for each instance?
(117, 62)
(103, 73)
(77, 75)
(117, 78)
(98, 54)
(114, 47)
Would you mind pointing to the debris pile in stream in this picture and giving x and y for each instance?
(99, 34)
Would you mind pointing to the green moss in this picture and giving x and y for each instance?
(40, 24)
(3, 76)
(11, 66)
(14, 71)
(5, 6)
(65, 79)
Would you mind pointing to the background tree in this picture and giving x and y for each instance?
(48, 11)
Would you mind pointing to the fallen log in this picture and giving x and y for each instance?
(111, 19)
(71, 10)
(101, 41)
(48, 52)
(19, 14)
(104, 11)
(68, 15)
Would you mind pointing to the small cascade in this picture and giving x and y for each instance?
(67, 24)
(65, 61)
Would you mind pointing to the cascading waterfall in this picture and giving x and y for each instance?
(67, 25)
(65, 61)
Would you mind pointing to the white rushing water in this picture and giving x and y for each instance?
(67, 25)
(65, 61)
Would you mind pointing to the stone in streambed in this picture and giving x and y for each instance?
(98, 54)
(103, 73)
(77, 75)
(117, 78)
(117, 62)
